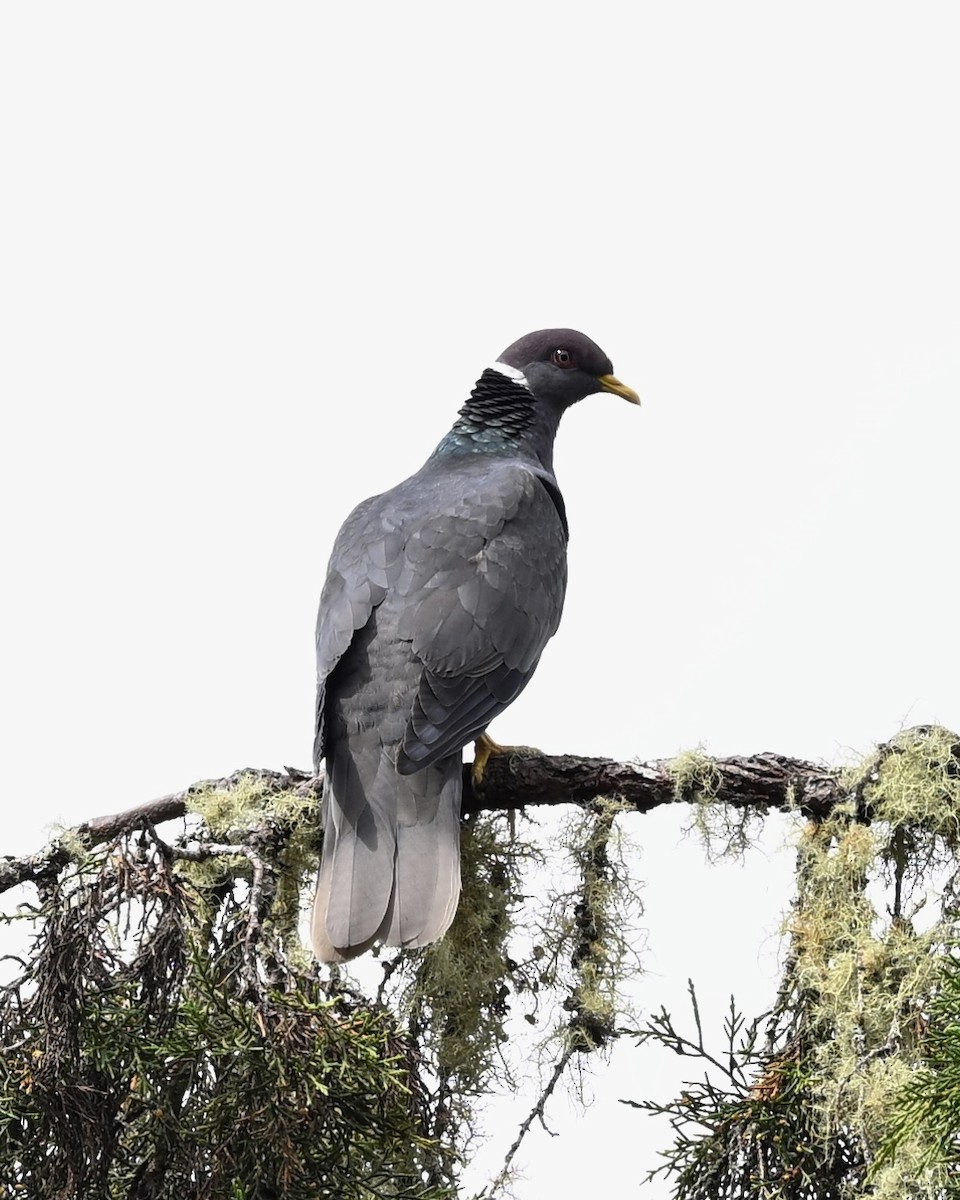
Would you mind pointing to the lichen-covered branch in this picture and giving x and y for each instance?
(766, 780)
(513, 780)
(855, 1089)
(47, 864)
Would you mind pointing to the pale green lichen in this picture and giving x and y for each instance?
(590, 933)
(868, 978)
(912, 786)
(84, 859)
(74, 844)
(725, 830)
(695, 776)
(914, 781)
(231, 812)
(605, 960)
(461, 982)
(910, 1178)
(298, 863)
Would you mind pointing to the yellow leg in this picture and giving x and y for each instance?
(483, 748)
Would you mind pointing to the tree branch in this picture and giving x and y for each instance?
(46, 864)
(511, 780)
(767, 780)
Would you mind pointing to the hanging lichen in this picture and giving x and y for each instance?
(283, 820)
(695, 776)
(585, 953)
(485, 970)
(816, 1111)
(604, 955)
(864, 981)
(725, 831)
(461, 984)
(588, 938)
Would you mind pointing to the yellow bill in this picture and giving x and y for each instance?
(610, 383)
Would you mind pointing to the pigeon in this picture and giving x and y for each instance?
(439, 598)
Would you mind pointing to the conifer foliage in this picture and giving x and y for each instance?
(163, 1033)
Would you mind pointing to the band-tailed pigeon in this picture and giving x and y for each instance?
(439, 599)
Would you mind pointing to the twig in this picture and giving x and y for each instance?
(256, 900)
(536, 1113)
(255, 904)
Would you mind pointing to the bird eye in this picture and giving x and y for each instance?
(563, 358)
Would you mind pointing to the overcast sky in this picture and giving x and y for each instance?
(254, 258)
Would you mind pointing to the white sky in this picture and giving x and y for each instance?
(254, 257)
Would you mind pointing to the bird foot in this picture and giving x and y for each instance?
(484, 748)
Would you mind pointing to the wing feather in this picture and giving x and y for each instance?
(480, 613)
(473, 568)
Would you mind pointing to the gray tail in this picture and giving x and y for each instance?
(390, 868)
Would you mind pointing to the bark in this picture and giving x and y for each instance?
(765, 780)
(511, 780)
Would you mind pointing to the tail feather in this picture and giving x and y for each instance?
(390, 867)
(427, 885)
(359, 842)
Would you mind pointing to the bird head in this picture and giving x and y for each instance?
(562, 366)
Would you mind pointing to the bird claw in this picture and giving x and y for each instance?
(484, 748)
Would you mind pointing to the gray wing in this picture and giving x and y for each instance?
(473, 564)
(355, 585)
(483, 588)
